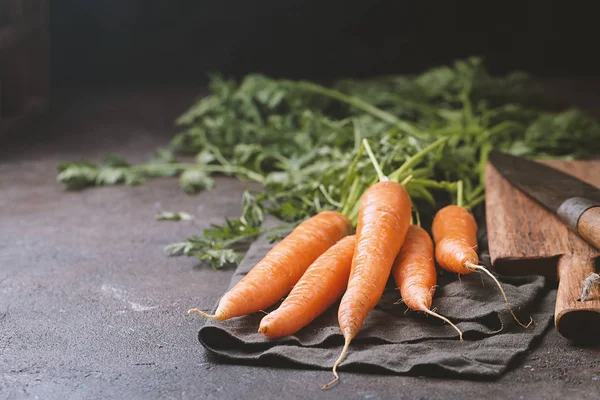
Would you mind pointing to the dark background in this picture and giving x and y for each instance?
(178, 42)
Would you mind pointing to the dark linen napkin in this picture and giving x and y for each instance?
(396, 341)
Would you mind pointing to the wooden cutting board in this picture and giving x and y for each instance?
(526, 239)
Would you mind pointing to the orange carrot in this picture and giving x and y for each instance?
(322, 284)
(383, 219)
(414, 272)
(276, 274)
(455, 235)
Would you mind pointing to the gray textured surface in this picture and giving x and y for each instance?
(91, 308)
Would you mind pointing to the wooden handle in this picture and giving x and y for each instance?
(574, 319)
(588, 226)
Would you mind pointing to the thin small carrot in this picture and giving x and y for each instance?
(276, 274)
(383, 220)
(455, 234)
(415, 275)
(322, 284)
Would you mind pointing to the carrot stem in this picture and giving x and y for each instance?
(354, 162)
(360, 104)
(406, 180)
(227, 169)
(428, 183)
(459, 193)
(217, 154)
(376, 165)
(355, 205)
(317, 204)
(357, 135)
(335, 365)
(472, 266)
(475, 201)
(346, 194)
(478, 190)
(414, 159)
(328, 197)
(417, 173)
(350, 198)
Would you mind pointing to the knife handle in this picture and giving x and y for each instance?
(574, 319)
(588, 226)
(582, 216)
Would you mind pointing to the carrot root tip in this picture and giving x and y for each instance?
(446, 320)
(205, 315)
(480, 268)
(335, 365)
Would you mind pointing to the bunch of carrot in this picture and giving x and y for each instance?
(323, 260)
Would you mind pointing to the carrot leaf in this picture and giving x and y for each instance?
(301, 143)
(174, 216)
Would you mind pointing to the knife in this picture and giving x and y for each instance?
(577, 205)
(574, 202)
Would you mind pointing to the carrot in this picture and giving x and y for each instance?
(414, 273)
(275, 275)
(322, 284)
(384, 214)
(383, 219)
(455, 235)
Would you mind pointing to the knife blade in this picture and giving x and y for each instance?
(576, 203)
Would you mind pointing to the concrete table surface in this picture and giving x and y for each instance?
(90, 307)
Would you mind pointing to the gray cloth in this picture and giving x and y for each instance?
(395, 341)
